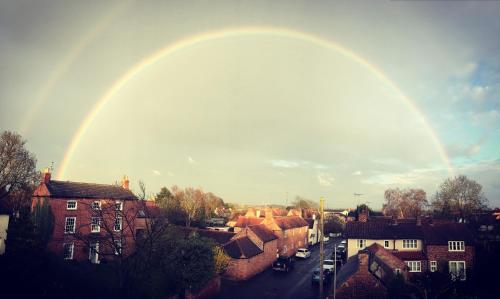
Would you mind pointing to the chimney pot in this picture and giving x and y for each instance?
(125, 182)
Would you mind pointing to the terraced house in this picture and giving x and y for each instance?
(422, 244)
(91, 221)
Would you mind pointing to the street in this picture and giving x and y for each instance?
(270, 284)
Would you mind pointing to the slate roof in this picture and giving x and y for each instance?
(241, 248)
(347, 270)
(220, 237)
(382, 230)
(289, 222)
(265, 234)
(385, 256)
(440, 234)
(66, 189)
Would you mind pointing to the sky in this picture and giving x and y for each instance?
(257, 101)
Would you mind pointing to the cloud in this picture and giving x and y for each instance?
(466, 70)
(459, 150)
(170, 173)
(284, 163)
(325, 179)
(156, 172)
(191, 160)
(358, 172)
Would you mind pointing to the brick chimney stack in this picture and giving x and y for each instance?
(46, 176)
(125, 182)
(363, 261)
(268, 213)
(250, 212)
(363, 215)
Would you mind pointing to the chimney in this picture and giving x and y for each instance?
(125, 182)
(363, 215)
(46, 176)
(257, 213)
(250, 212)
(269, 213)
(363, 261)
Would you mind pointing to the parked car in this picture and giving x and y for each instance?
(284, 264)
(344, 242)
(327, 275)
(303, 253)
(326, 239)
(341, 247)
(329, 265)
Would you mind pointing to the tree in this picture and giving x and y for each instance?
(163, 198)
(17, 165)
(459, 197)
(304, 203)
(404, 203)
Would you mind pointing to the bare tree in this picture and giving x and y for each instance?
(404, 203)
(190, 201)
(17, 165)
(460, 197)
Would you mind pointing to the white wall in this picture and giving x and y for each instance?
(4, 224)
(352, 245)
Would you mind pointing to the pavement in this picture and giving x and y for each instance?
(270, 284)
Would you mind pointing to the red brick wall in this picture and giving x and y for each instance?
(440, 253)
(242, 269)
(83, 215)
(293, 239)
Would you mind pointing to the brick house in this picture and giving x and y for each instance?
(292, 231)
(356, 281)
(251, 250)
(91, 221)
(422, 244)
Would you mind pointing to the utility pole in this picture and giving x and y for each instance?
(335, 271)
(321, 245)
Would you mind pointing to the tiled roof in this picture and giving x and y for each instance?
(263, 232)
(410, 255)
(247, 221)
(440, 234)
(289, 222)
(60, 189)
(347, 270)
(385, 256)
(241, 248)
(383, 230)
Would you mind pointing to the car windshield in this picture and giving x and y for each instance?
(328, 262)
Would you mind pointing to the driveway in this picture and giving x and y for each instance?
(269, 284)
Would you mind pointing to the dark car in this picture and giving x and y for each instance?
(284, 264)
(327, 276)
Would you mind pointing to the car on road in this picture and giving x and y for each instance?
(327, 275)
(329, 265)
(303, 253)
(284, 264)
(326, 239)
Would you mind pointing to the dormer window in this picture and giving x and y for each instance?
(118, 206)
(71, 205)
(96, 205)
(456, 246)
(386, 244)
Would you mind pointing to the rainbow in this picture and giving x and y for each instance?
(190, 41)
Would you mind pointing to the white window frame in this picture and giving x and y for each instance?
(66, 231)
(118, 220)
(74, 208)
(94, 252)
(414, 266)
(433, 266)
(95, 227)
(71, 249)
(361, 243)
(456, 246)
(118, 247)
(410, 244)
(94, 207)
(387, 242)
(119, 206)
(454, 276)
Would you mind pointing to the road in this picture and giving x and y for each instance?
(269, 284)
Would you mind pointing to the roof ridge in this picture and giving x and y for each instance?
(86, 183)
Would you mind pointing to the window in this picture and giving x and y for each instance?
(69, 225)
(68, 250)
(457, 270)
(414, 266)
(386, 244)
(95, 225)
(361, 243)
(433, 266)
(456, 246)
(397, 271)
(94, 253)
(118, 247)
(71, 205)
(410, 244)
(118, 224)
(118, 205)
(96, 205)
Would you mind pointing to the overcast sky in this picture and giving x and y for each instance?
(257, 117)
